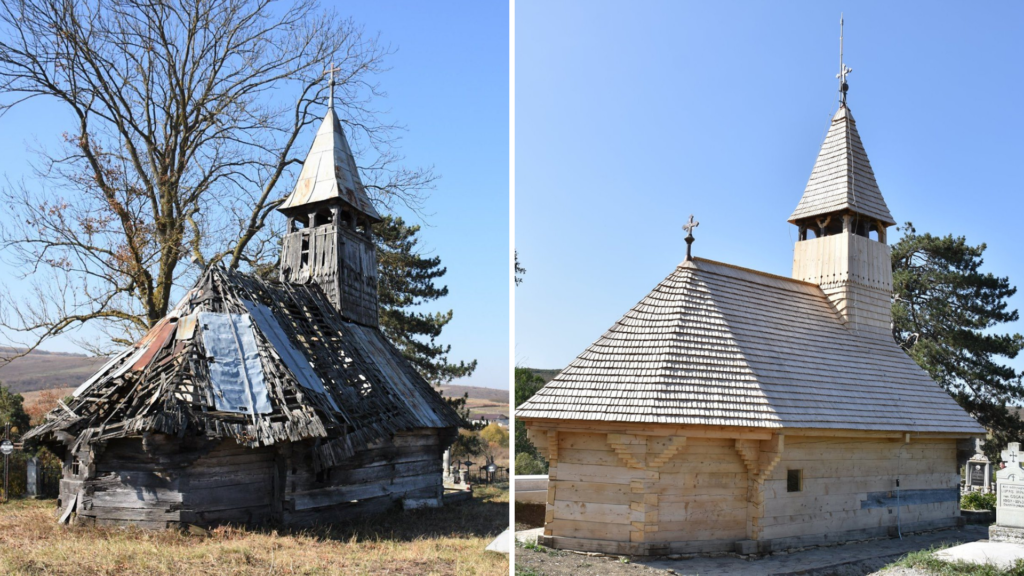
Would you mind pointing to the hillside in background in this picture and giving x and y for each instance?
(481, 400)
(43, 370)
(547, 374)
(476, 393)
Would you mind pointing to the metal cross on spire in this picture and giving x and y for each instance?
(689, 226)
(331, 70)
(843, 70)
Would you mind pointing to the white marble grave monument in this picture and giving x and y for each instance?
(1009, 526)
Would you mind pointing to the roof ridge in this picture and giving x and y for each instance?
(750, 270)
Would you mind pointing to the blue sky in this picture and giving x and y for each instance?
(448, 84)
(628, 120)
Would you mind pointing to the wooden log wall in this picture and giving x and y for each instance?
(646, 494)
(340, 260)
(230, 484)
(849, 484)
(658, 494)
(407, 467)
(133, 481)
(161, 482)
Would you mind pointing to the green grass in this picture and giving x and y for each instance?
(925, 560)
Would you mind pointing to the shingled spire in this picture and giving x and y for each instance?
(842, 181)
(840, 210)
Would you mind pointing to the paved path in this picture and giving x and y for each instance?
(1001, 554)
(857, 558)
(844, 560)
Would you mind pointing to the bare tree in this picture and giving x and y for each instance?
(186, 115)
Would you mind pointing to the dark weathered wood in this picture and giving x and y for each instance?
(145, 444)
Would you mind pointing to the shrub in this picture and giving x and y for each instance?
(495, 434)
(527, 465)
(978, 501)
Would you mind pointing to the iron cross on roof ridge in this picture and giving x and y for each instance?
(331, 70)
(689, 226)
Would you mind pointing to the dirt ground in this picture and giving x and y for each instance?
(546, 562)
(529, 516)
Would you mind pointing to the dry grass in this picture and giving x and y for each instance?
(446, 541)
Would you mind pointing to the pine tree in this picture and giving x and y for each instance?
(947, 315)
(528, 458)
(407, 280)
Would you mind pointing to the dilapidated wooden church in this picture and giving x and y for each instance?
(735, 410)
(257, 401)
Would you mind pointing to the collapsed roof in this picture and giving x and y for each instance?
(239, 357)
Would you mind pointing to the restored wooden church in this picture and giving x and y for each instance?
(735, 410)
(256, 400)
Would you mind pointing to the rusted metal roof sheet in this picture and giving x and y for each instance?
(153, 342)
(330, 172)
(186, 327)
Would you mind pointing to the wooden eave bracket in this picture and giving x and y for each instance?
(761, 457)
(541, 440)
(634, 450)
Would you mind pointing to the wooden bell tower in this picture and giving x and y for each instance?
(842, 220)
(329, 235)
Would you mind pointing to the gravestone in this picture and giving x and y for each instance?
(1009, 526)
(33, 478)
(979, 473)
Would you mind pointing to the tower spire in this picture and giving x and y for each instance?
(843, 70)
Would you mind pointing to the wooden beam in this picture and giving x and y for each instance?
(694, 431)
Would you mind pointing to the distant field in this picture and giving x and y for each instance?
(42, 370)
(33, 396)
(477, 393)
(486, 407)
(481, 400)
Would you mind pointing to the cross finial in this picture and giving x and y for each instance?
(689, 226)
(1011, 455)
(843, 70)
(331, 70)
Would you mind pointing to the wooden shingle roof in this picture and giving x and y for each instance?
(842, 177)
(715, 344)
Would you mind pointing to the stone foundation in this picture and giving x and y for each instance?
(1006, 534)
